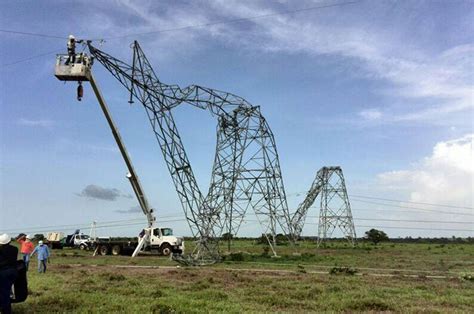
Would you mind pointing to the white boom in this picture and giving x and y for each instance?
(80, 70)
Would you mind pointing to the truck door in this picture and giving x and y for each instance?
(156, 237)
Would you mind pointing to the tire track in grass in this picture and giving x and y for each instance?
(262, 270)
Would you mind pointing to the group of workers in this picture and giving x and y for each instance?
(8, 264)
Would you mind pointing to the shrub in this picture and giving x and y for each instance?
(375, 236)
(236, 257)
(467, 277)
(336, 270)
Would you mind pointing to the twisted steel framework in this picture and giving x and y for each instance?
(246, 171)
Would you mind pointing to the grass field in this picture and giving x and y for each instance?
(387, 277)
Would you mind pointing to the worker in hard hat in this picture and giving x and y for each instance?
(8, 272)
(26, 248)
(71, 49)
(43, 256)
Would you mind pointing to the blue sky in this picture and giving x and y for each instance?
(382, 88)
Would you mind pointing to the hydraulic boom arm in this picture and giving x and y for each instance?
(131, 175)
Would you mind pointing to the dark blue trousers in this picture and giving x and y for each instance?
(7, 278)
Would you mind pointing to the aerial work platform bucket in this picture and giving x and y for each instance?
(73, 70)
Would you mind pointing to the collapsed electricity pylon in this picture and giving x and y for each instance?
(246, 172)
(335, 209)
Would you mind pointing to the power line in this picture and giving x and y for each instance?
(85, 225)
(167, 30)
(97, 226)
(180, 219)
(74, 225)
(126, 222)
(174, 218)
(399, 211)
(293, 194)
(413, 208)
(32, 57)
(416, 228)
(418, 221)
(9, 31)
(410, 228)
(410, 202)
(410, 220)
(234, 20)
(388, 227)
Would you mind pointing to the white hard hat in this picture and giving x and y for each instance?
(40, 242)
(71, 37)
(29, 237)
(5, 239)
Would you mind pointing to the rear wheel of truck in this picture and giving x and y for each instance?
(166, 249)
(104, 250)
(116, 249)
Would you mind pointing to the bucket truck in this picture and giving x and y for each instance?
(151, 239)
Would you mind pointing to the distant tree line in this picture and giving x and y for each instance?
(373, 236)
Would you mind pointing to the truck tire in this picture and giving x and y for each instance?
(104, 250)
(116, 249)
(165, 249)
(83, 247)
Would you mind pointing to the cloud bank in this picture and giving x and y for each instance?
(445, 177)
(93, 191)
(424, 84)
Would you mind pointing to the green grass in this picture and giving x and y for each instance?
(296, 283)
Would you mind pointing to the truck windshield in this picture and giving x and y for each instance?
(167, 232)
(84, 237)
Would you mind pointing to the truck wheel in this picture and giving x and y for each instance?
(116, 250)
(166, 249)
(104, 250)
(83, 247)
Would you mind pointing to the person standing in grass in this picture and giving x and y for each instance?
(8, 272)
(43, 256)
(27, 248)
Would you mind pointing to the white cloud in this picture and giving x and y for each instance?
(35, 123)
(445, 177)
(444, 79)
(424, 85)
(371, 114)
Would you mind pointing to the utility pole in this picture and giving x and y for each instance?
(93, 234)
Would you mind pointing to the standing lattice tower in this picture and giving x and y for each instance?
(335, 211)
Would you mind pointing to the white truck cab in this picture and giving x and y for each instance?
(163, 240)
(81, 241)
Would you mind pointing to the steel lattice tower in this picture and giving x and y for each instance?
(246, 175)
(335, 211)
